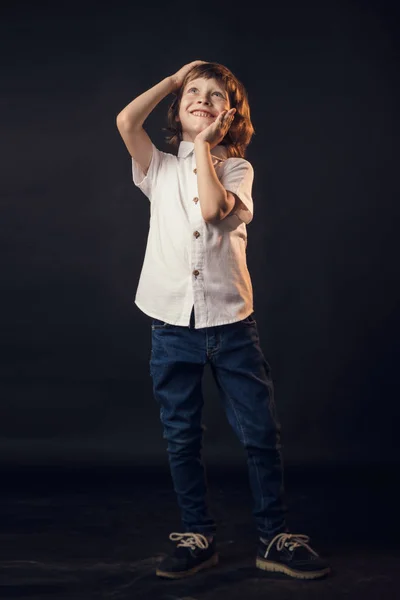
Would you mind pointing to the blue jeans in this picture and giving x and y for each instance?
(242, 375)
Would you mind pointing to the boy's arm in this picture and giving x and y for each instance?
(215, 202)
(130, 121)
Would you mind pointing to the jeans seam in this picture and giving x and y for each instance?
(252, 458)
(237, 419)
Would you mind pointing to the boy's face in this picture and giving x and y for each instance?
(201, 102)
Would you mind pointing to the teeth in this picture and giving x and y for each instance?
(199, 113)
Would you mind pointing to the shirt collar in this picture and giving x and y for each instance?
(186, 148)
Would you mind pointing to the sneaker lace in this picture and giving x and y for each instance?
(291, 541)
(190, 540)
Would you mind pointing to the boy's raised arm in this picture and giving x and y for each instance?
(130, 120)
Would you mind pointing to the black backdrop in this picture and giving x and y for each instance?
(323, 247)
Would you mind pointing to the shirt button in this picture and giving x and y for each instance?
(196, 234)
(195, 200)
(196, 272)
(195, 171)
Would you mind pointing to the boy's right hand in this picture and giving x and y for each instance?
(180, 75)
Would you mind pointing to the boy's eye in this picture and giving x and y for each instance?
(194, 89)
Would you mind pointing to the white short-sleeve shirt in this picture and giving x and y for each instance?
(189, 262)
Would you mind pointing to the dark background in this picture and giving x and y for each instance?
(323, 247)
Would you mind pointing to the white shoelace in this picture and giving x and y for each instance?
(190, 540)
(291, 541)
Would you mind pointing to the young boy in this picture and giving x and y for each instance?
(196, 287)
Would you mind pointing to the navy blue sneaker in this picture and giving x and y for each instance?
(290, 554)
(193, 553)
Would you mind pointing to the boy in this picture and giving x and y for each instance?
(196, 287)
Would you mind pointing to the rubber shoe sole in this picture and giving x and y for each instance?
(273, 567)
(211, 562)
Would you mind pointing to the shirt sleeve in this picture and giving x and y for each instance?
(146, 182)
(237, 178)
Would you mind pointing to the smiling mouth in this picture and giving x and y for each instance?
(202, 113)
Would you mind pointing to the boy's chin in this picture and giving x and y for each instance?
(191, 135)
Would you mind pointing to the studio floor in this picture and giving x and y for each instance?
(99, 533)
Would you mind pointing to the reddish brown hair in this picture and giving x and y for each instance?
(241, 131)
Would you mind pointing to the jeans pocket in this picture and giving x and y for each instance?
(250, 320)
(156, 324)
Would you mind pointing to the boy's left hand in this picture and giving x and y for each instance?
(215, 133)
